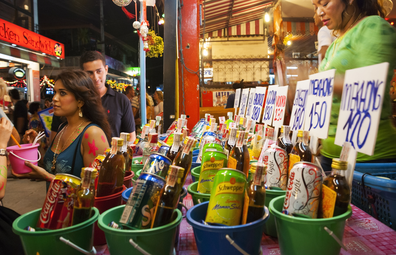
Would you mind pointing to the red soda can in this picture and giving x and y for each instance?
(57, 211)
(303, 190)
(277, 167)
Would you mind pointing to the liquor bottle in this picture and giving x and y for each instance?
(150, 147)
(284, 139)
(170, 197)
(85, 195)
(128, 157)
(239, 158)
(184, 157)
(335, 190)
(231, 141)
(300, 151)
(176, 146)
(256, 194)
(112, 171)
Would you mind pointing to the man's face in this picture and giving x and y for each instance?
(97, 71)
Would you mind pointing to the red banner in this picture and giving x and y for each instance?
(20, 36)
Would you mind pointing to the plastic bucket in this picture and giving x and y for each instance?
(307, 236)
(49, 241)
(195, 172)
(103, 204)
(18, 156)
(136, 167)
(269, 226)
(128, 179)
(154, 241)
(125, 195)
(195, 152)
(196, 196)
(194, 162)
(217, 239)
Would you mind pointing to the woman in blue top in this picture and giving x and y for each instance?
(83, 136)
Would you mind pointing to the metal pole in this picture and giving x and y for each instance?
(102, 35)
(142, 62)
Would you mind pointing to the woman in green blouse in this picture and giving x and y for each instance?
(364, 38)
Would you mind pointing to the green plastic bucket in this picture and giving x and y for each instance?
(196, 196)
(297, 235)
(269, 226)
(49, 241)
(195, 172)
(136, 167)
(154, 241)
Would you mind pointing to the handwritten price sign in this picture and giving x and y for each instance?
(270, 105)
(361, 106)
(300, 100)
(244, 98)
(250, 104)
(280, 104)
(258, 102)
(320, 97)
(237, 96)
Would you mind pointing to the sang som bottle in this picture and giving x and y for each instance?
(184, 157)
(125, 150)
(85, 195)
(300, 151)
(239, 158)
(284, 139)
(231, 141)
(112, 171)
(256, 194)
(176, 146)
(170, 197)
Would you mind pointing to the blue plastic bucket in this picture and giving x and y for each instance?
(213, 239)
(195, 152)
(126, 193)
(194, 162)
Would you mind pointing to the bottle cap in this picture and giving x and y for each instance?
(339, 165)
(300, 133)
(120, 142)
(126, 136)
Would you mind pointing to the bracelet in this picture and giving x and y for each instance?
(3, 152)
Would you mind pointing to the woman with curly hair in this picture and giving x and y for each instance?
(85, 133)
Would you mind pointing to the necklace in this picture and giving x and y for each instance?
(57, 145)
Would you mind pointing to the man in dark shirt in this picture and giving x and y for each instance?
(20, 112)
(231, 98)
(117, 105)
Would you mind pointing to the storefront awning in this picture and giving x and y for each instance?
(226, 15)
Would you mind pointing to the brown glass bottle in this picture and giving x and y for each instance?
(256, 194)
(184, 157)
(284, 139)
(239, 158)
(301, 148)
(128, 157)
(85, 195)
(337, 182)
(176, 146)
(112, 171)
(231, 141)
(170, 197)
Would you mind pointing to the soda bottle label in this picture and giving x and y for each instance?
(293, 159)
(232, 163)
(329, 197)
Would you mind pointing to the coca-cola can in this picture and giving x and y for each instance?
(57, 211)
(303, 190)
(277, 167)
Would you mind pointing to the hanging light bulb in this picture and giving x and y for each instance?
(161, 21)
(205, 52)
(289, 43)
(267, 17)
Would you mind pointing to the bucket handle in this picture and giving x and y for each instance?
(137, 247)
(185, 207)
(27, 159)
(71, 244)
(335, 238)
(199, 200)
(232, 242)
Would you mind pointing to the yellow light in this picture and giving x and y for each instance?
(205, 52)
(267, 17)
(289, 43)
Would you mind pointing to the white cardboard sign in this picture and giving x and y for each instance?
(250, 103)
(361, 105)
(318, 107)
(270, 105)
(280, 104)
(237, 96)
(298, 112)
(244, 99)
(258, 103)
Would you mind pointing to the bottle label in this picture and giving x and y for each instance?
(152, 124)
(179, 125)
(240, 139)
(293, 158)
(172, 176)
(213, 127)
(329, 198)
(176, 142)
(221, 120)
(248, 125)
(260, 129)
(258, 176)
(231, 140)
(232, 163)
(187, 148)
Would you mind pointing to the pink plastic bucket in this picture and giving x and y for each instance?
(128, 179)
(18, 156)
(103, 204)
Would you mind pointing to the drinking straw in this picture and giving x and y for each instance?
(13, 138)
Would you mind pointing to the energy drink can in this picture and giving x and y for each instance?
(277, 167)
(157, 164)
(140, 208)
(163, 150)
(212, 161)
(227, 196)
(303, 190)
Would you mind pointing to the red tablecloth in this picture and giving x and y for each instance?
(363, 235)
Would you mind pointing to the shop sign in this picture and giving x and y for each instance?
(258, 102)
(298, 112)
(20, 36)
(270, 105)
(133, 71)
(280, 104)
(361, 106)
(250, 104)
(208, 72)
(17, 73)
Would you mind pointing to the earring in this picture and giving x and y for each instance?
(80, 113)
